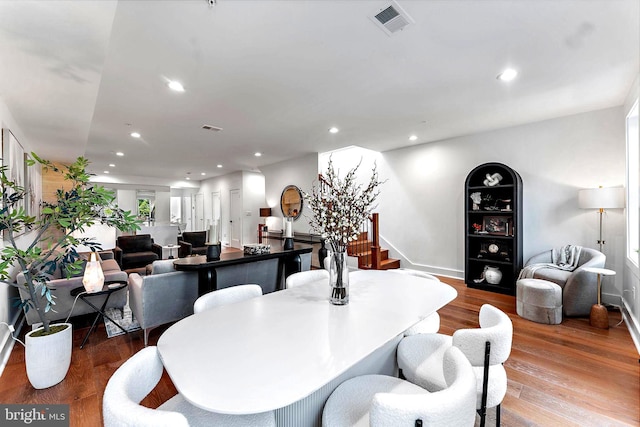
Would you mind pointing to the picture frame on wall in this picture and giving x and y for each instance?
(496, 225)
(33, 186)
(13, 157)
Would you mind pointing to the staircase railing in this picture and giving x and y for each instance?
(367, 246)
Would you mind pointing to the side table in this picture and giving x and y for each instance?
(108, 288)
(170, 248)
(599, 316)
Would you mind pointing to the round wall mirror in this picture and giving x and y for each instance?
(291, 202)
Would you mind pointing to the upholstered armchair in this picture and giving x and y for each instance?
(192, 243)
(163, 296)
(579, 287)
(136, 251)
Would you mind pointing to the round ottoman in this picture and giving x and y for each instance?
(539, 300)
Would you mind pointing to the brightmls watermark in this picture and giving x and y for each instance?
(34, 415)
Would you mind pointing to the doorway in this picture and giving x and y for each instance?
(235, 220)
(198, 212)
(214, 230)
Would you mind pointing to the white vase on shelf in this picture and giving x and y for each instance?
(492, 275)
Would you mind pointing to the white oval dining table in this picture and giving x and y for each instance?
(270, 352)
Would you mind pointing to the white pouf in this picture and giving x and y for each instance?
(539, 301)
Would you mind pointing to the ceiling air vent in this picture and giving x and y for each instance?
(211, 128)
(392, 18)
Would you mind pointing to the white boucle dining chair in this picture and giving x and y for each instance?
(420, 358)
(384, 401)
(225, 296)
(304, 277)
(137, 377)
(430, 324)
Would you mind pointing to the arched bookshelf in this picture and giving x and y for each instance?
(493, 223)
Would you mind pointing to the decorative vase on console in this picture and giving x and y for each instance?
(339, 208)
(322, 254)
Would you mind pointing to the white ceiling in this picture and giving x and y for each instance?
(78, 77)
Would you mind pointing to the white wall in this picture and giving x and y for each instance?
(224, 184)
(301, 172)
(253, 191)
(631, 275)
(7, 293)
(163, 207)
(422, 207)
(127, 200)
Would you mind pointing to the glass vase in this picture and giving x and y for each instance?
(339, 278)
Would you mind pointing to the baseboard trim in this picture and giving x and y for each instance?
(632, 324)
(7, 341)
(439, 271)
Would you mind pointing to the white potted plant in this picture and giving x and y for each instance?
(51, 246)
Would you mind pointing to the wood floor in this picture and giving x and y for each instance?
(563, 375)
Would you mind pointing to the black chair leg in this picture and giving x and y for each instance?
(498, 416)
(485, 385)
(482, 417)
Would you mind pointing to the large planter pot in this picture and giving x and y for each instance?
(48, 357)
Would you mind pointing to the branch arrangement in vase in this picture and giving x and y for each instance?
(340, 206)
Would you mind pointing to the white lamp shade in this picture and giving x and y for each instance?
(93, 279)
(601, 198)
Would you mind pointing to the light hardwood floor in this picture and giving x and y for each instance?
(564, 375)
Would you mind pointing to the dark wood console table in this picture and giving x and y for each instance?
(235, 268)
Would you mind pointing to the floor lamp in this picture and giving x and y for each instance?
(601, 199)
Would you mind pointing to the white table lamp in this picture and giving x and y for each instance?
(93, 279)
(601, 199)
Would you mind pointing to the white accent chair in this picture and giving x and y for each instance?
(226, 296)
(430, 324)
(304, 277)
(135, 379)
(579, 287)
(420, 358)
(384, 401)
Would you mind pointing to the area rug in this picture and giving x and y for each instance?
(127, 321)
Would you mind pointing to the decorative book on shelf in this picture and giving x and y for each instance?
(493, 223)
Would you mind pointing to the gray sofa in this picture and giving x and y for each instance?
(163, 296)
(579, 287)
(61, 288)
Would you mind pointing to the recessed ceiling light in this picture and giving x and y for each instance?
(176, 86)
(119, 153)
(219, 166)
(507, 75)
(188, 179)
(203, 173)
(334, 130)
(413, 138)
(135, 134)
(106, 172)
(258, 154)
(111, 165)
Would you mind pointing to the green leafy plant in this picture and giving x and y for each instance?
(51, 242)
